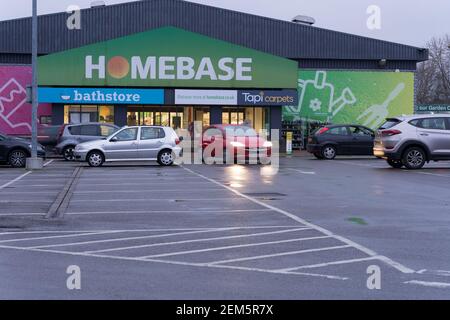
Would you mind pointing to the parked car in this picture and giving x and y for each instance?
(150, 143)
(244, 140)
(15, 151)
(71, 135)
(411, 141)
(329, 141)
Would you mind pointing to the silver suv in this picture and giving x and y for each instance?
(149, 143)
(411, 141)
(71, 135)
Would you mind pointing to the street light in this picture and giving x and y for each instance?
(34, 163)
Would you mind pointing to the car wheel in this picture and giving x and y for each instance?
(166, 158)
(318, 156)
(95, 159)
(397, 164)
(17, 158)
(69, 153)
(329, 152)
(414, 158)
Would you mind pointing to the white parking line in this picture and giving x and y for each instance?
(169, 254)
(15, 180)
(168, 211)
(301, 171)
(355, 245)
(179, 263)
(281, 254)
(197, 240)
(148, 190)
(129, 238)
(326, 264)
(57, 237)
(152, 199)
(441, 285)
(21, 176)
(135, 230)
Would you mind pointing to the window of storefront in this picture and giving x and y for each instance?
(174, 117)
(88, 113)
(255, 117)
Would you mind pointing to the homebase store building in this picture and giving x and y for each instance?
(171, 62)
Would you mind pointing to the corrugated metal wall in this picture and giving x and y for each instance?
(310, 44)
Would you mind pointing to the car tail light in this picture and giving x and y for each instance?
(390, 133)
(177, 141)
(60, 132)
(323, 130)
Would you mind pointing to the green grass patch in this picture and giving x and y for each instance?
(359, 221)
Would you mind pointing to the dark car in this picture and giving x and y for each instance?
(329, 141)
(15, 151)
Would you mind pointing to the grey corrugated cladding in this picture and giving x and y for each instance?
(309, 45)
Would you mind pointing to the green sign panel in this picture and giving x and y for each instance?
(167, 57)
(433, 108)
(352, 97)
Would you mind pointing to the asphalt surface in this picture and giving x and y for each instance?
(308, 230)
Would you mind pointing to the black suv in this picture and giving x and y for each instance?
(15, 151)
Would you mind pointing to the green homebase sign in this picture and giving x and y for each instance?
(167, 57)
(352, 97)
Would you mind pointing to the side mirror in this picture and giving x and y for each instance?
(113, 139)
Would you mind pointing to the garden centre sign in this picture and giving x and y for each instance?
(167, 57)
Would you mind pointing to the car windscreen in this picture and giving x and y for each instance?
(389, 124)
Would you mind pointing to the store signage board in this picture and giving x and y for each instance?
(206, 97)
(268, 98)
(435, 108)
(100, 96)
(167, 57)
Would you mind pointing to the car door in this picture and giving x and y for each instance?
(123, 145)
(340, 136)
(3, 148)
(151, 141)
(435, 133)
(362, 141)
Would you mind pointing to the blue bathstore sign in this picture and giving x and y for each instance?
(100, 96)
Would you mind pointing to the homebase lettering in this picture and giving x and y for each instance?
(98, 96)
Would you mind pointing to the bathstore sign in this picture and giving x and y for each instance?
(100, 96)
(268, 98)
(167, 57)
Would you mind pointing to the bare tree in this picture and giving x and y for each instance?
(433, 76)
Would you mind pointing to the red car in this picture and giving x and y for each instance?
(242, 141)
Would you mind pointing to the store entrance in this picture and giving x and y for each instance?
(175, 117)
(256, 117)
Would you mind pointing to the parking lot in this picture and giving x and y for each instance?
(308, 230)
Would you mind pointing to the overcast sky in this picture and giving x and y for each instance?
(404, 21)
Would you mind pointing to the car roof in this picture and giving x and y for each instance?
(420, 116)
(91, 123)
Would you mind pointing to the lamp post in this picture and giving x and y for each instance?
(34, 163)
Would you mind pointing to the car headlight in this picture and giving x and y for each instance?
(237, 144)
(267, 144)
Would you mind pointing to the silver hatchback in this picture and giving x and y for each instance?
(140, 143)
(411, 141)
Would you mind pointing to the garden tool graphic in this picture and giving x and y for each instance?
(374, 116)
(317, 99)
(13, 99)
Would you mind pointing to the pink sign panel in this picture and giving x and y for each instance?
(15, 112)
